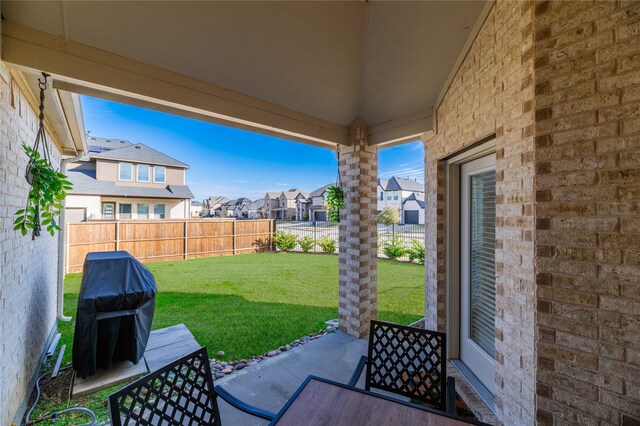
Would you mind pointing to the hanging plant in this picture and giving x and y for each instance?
(335, 196)
(335, 202)
(48, 186)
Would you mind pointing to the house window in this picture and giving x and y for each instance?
(389, 196)
(159, 174)
(143, 211)
(124, 211)
(125, 171)
(158, 211)
(143, 173)
(381, 196)
(395, 195)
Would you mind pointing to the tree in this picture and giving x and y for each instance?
(389, 216)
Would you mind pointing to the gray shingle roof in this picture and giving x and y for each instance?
(318, 192)
(401, 184)
(84, 182)
(383, 183)
(217, 199)
(419, 198)
(105, 144)
(140, 153)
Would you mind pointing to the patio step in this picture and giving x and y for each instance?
(164, 346)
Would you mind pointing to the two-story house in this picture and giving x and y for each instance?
(271, 203)
(210, 204)
(395, 191)
(313, 207)
(121, 180)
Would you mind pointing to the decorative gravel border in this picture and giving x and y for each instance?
(220, 369)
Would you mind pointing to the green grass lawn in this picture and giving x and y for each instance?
(249, 304)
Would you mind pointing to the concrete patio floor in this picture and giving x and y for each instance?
(270, 383)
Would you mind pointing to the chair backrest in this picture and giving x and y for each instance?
(180, 393)
(408, 361)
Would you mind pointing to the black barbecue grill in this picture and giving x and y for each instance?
(115, 310)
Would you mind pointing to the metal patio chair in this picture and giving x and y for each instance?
(408, 361)
(181, 393)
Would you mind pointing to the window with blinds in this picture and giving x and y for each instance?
(482, 261)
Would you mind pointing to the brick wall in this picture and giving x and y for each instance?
(358, 269)
(28, 269)
(588, 211)
(493, 93)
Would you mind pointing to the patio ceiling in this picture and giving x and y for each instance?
(300, 70)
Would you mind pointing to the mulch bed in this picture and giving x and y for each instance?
(53, 391)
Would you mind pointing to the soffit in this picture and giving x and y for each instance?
(332, 60)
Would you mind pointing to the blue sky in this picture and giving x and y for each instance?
(232, 162)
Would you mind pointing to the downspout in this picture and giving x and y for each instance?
(61, 238)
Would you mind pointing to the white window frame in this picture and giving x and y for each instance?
(138, 166)
(130, 210)
(453, 244)
(120, 172)
(155, 180)
(138, 213)
(164, 211)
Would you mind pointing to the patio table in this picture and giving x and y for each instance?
(320, 401)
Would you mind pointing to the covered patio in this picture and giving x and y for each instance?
(529, 112)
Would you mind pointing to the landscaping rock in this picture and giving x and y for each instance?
(219, 375)
(220, 353)
(272, 353)
(227, 371)
(239, 366)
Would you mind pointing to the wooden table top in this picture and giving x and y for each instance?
(323, 402)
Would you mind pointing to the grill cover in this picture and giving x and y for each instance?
(115, 311)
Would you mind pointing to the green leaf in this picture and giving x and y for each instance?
(24, 231)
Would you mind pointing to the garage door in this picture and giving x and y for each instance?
(75, 215)
(411, 216)
(322, 216)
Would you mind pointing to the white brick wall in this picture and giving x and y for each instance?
(28, 269)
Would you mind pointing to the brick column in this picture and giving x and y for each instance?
(358, 278)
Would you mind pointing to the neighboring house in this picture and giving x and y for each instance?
(251, 209)
(258, 209)
(413, 209)
(235, 206)
(271, 202)
(282, 205)
(313, 205)
(212, 203)
(395, 191)
(121, 180)
(196, 208)
(287, 204)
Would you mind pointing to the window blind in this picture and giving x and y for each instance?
(483, 272)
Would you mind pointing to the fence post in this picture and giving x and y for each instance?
(315, 236)
(272, 225)
(117, 235)
(186, 236)
(234, 237)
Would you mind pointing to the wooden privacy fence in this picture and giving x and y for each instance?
(158, 240)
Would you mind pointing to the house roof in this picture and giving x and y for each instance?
(273, 194)
(217, 199)
(318, 192)
(291, 194)
(383, 183)
(258, 203)
(98, 145)
(401, 184)
(84, 182)
(196, 203)
(140, 153)
(418, 198)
